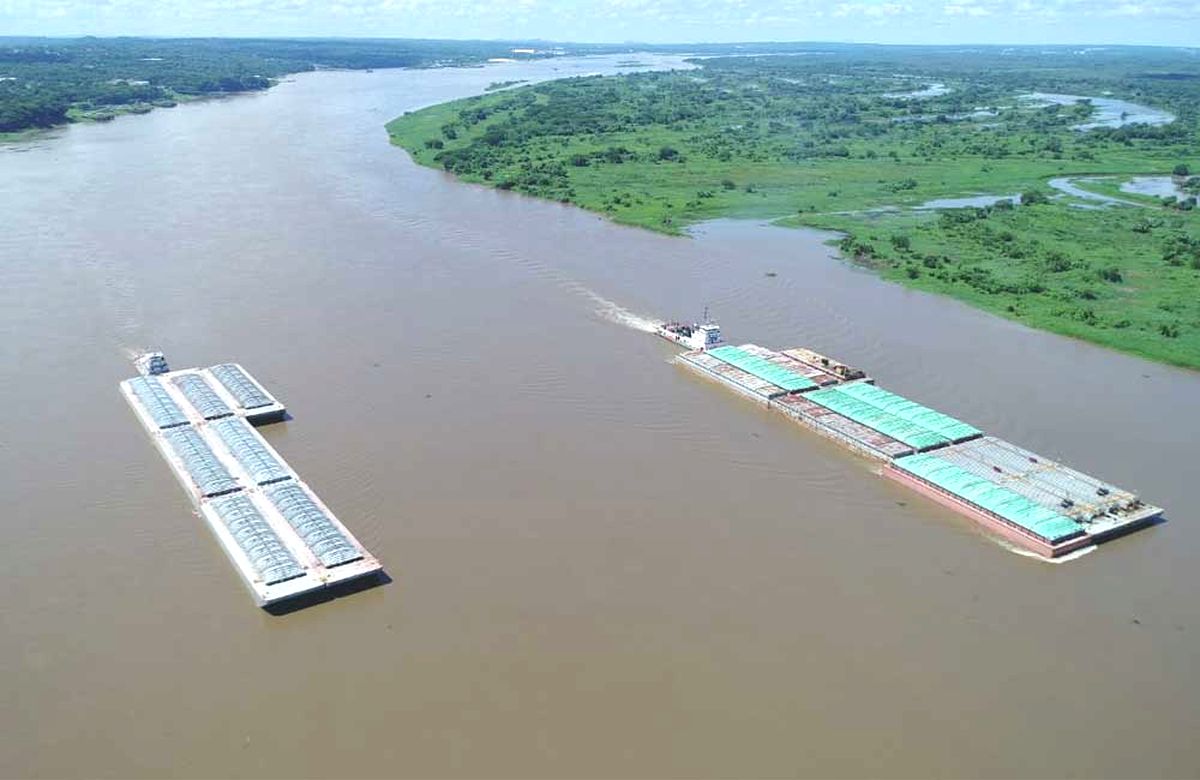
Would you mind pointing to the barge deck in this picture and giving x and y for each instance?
(1030, 500)
(282, 539)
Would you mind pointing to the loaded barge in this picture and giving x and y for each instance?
(282, 539)
(1030, 500)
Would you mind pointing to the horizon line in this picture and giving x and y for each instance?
(630, 44)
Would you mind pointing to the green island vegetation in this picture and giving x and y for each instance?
(856, 138)
(495, 85)
(46, 82)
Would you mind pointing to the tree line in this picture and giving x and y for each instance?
(41, 80)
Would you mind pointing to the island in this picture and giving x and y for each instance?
(998, 176)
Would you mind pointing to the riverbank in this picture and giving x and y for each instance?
(426, 333)
(1095, 282)
(46, 83)
(106, 113)
(666, 151)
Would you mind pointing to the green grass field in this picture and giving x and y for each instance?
(784, 140)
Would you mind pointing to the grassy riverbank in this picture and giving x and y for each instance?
(46, 82)
(840, 141)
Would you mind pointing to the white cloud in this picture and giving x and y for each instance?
(895, 21)
(871, 10)
(966, 8)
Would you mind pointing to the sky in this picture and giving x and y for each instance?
(1154, 22)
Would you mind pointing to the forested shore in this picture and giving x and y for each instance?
(46, 82)
(1008, 178)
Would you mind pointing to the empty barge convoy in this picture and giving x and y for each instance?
(283, 540)
(1029, 500)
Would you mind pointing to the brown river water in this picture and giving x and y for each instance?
(600, 564)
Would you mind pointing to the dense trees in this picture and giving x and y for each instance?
(20, 110)
(795, 110)
(839, 140)
(41, 80)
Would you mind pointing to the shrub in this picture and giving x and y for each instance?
(1057, 263)
(1181, 170)
(949, 218)
(1111, 274)
(859, 250)
(618, 155)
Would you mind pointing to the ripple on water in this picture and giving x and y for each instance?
(633, 516)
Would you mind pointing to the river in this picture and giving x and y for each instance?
(600, 565)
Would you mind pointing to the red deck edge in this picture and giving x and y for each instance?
(999, 527)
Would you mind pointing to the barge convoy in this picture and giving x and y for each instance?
(282, 539)
(1029, 500)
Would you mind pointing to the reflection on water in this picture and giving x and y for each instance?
(1069, 186)
(928, 91)
(601, 565)
(1107, 112)
(974, 201)
(1156, 186)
